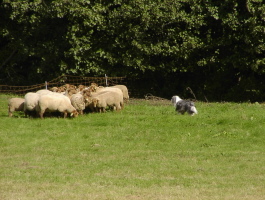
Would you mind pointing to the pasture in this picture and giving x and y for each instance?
(146, 151)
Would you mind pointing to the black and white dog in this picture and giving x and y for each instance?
(183, 106)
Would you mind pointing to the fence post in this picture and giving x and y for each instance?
(106, 80)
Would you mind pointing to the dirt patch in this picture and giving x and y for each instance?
(151, 100)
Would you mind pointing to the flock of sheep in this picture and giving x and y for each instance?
(69, 99)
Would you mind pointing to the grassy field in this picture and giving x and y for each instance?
(146, 151)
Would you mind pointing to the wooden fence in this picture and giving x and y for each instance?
(59, 81)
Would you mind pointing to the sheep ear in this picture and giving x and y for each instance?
(72, 114)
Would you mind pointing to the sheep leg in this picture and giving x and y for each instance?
(65, 115)
(41, 114)
(26, 114)
(100, 109)
(122, 105)
(118, 107)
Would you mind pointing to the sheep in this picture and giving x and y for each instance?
(107, 98)
(86, 92)
(99, 90)
(81, 88)
(106, 89)
(15, 104)
(54, 89)
(89, 105)
(93, 91)
(59, 95)
(78, 101)
(43, 92)
(61, 89)
(52, 103)
(31, 103)
(69, 86)
(93, 87)
(124, 90)
(70, 92)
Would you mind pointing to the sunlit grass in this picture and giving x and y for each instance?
(145, 151)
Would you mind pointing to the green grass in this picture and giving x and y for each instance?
(144, 152)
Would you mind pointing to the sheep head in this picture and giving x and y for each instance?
(74, 113)
(54, 89)
(81, 87)
(69, 87)
(88, 101)
(71, 92)
(95, 102)
(93, 87)
(94, 84)
(86, 93)
(61, 89)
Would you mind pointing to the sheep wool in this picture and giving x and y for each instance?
(43, 92)
(15, 104)
(124, 90)
(52, 103)
(108, 98)
(31, 101)
(78, 102)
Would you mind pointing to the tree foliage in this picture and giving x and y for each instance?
(221, 43)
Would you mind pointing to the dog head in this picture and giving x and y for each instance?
(175, 99)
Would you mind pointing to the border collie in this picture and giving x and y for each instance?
(183, 106)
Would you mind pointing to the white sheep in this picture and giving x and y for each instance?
(89, 105)
(44, 92)
(31, 103)
(97, 91)
(15, 104)
(108, 89)
(104, 89)
(60, 95)
(78, 101)
(124, 90)
(53, 103)
(108, 98)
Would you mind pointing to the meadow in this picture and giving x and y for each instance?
(146, 151)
